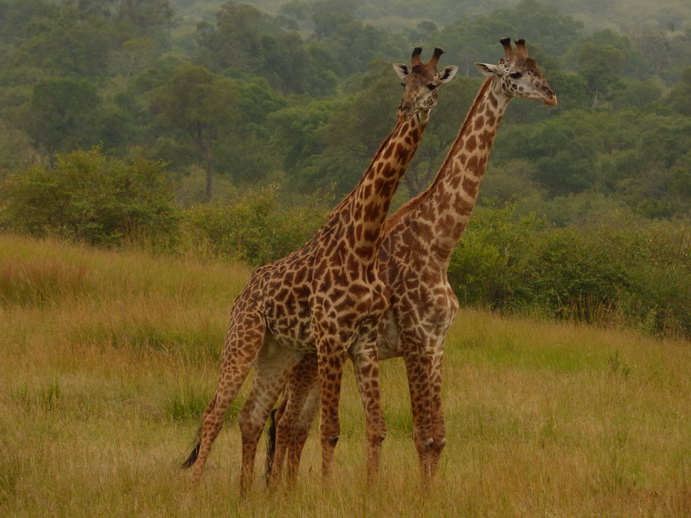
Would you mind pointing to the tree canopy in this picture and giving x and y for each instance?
(302, 93)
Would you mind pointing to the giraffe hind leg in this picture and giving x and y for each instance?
(307, 415)
(272, 369)
(243, 343)
(289, 427)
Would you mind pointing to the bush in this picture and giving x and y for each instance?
(254, 228)
(93, 198)
(612, 269)
(488, 262)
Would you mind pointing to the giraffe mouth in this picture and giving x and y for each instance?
(551, 100)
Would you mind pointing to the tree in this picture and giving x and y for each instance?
(62, 114)
(132, 58)
(137, 18)
(198, 103)
(601, 66)
(679, 98)
(353, 43)
(17, 15)
(294, 132)
(564, 151)
(68, 42)
(246, 43)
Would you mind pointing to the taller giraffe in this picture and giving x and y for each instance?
(325, 298)
(414, 256)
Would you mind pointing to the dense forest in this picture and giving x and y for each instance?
(125, 119)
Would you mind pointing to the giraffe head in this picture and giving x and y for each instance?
(519, 75)
(421, 81)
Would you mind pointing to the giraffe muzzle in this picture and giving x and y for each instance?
(550, 99)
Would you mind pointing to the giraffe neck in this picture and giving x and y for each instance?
(447, 204)
(362, 213)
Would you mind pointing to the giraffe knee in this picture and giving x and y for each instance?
(377, 437)
(424, 445)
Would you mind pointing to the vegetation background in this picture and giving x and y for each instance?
(176, 143)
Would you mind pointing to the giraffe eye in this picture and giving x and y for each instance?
(431, 86)
(515, 75)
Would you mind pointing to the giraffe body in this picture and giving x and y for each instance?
(324, 300)
(416, 249)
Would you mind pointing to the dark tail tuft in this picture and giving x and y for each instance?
(271, 445)
(195, 451)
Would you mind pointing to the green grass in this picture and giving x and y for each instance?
(108, 360)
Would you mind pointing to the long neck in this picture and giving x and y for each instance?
(445, 207)
(362, 213)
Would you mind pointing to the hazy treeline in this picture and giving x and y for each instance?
(119, 121)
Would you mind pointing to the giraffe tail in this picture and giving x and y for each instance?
(271, 445)
(195, 451)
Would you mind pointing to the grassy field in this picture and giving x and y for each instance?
(108, 359)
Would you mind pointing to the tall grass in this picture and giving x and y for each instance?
(108, 360)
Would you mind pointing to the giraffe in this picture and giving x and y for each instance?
(414, 256)
(324, 299)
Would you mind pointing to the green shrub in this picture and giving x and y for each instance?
(255, 227)
(611, 269)
(91, 197)
(489, 260)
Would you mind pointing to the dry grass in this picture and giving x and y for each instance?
(108, 359)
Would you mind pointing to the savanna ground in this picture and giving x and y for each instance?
(108, 360)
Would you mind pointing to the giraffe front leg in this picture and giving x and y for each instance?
(330, 376)
(366, 367)
(418, 368)
(294, 417)
(438, 424)
(309, 412)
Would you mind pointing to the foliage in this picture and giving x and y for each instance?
(198, 103)
(92, 198)
(680, 97)
(253, 228)
(610, 269)
(62, 113)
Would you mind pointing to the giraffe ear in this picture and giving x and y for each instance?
(488, 70)
(448, 73)
(401, 70)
